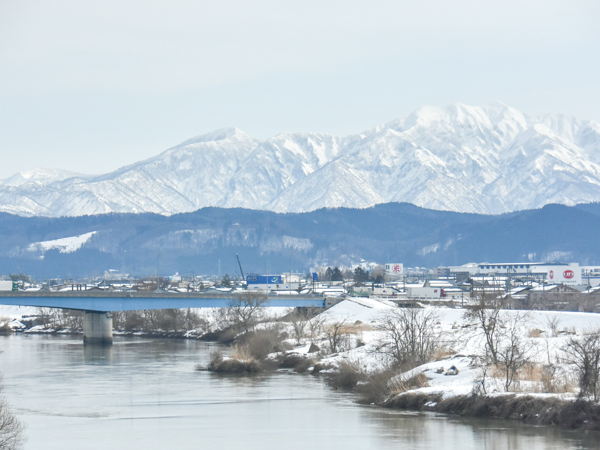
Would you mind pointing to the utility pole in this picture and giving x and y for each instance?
(157, 256)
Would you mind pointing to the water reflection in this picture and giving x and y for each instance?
(429, 430)
(98, 354)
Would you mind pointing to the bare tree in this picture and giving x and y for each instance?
(512, 352)
(315, 327)
(245, 312)
(553, 324)
(335, 333)
(299, 323)
(487, 316)
(410, 335)
(505, 346)
(11, 429)
(584, 354)
(72, 319)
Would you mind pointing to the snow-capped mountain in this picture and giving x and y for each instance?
(40, 176)
(489, 159)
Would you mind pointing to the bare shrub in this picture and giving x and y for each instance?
(410, 335)
(11, 429)
(299, 323)
(300, 363)
(51, 318)
(535, 333)
(220, 319)
(216, 357)
(315, 327)
(399, 385)
(240, 362)
(4, 327)
(336, 335)
(553, 324)
(300, 319)
(262, 342)
(584, 354)
(241, 352)
(167, 320)
(347, 375)
(377, 386)
(553, 381)
(128, 320)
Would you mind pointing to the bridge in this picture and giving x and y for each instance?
(99, 305)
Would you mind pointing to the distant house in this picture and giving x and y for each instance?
(561, 298)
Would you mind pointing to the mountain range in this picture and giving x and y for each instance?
(485, 160)
(206, 241)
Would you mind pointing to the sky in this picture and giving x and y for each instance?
(92, 86)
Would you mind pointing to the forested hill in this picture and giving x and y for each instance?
(193, 243)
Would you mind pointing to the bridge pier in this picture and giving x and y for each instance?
(97, 328)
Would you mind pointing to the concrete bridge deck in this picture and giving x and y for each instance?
(99, 305)
(101, 301)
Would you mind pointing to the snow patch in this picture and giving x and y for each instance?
(63, 245)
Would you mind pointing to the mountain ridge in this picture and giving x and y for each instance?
(206, 240)
(487, 160)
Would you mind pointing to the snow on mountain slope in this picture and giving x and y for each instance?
(187, 177)
(63, 245)
(489, 159)
(40, 176)
(277, 164)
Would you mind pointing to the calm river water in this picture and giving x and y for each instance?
(145, 394)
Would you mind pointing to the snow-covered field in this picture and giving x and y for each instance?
(457, 371)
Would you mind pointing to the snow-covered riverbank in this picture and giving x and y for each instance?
(351, 336)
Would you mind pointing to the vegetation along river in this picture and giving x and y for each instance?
(145, 394)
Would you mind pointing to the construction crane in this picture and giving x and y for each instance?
(241, 270)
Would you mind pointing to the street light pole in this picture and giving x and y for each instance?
(157, 256)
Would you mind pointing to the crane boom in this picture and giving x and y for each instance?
(241, 270)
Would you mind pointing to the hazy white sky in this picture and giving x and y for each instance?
(91, 86)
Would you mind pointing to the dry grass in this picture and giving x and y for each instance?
(242, 353)
(398, 385)
(260, 343)
(540, 378)
(443, 353)
(240, 362)
(356, 328)
(535, 333)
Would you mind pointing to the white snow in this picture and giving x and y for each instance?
(464, 340)
(352, 309)
(17, 312)
(64, 245)
(489, 159)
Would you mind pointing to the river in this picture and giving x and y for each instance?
(145, 394)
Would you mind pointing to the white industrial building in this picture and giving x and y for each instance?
(556, 273)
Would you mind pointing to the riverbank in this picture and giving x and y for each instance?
(548, 411)
(144, 393)
(350, 346)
